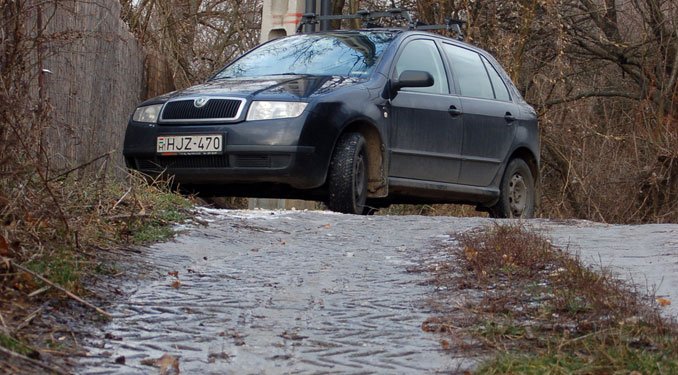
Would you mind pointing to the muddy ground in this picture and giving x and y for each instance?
(316, 292)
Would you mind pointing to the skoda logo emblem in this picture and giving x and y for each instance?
(200, 102)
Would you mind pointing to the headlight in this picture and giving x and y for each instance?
(260, 110)
(147, 113)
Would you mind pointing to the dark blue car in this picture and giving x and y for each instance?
(357, 119)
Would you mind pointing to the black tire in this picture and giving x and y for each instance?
(518, 195)
(347, 179)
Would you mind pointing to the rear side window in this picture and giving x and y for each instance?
(423, 55)
(500, 90)
(470, 72)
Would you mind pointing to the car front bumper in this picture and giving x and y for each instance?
(253, 152)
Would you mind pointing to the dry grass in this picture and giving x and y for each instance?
(539, 310)
(457, 210)
(98, 214)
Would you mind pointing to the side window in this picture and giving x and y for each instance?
(500, 90)
(469, 71)
(423, 55)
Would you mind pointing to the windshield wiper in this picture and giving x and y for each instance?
(290, 74)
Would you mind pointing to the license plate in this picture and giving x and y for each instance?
(190, 144)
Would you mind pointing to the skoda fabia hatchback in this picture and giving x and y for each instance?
(357, 119)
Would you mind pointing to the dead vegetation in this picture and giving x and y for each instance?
(602, 74)
(45, 259)
(66, 202)
(63, 202)
(535, 309)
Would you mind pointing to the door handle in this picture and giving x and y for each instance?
(509, 117)
(454, 111)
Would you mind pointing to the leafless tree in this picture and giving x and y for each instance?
(602, 74)
(194, 37)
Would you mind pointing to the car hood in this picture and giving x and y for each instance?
(291, 87)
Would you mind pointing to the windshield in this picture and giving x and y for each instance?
(337, 54)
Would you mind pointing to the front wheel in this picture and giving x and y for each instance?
(347, 180)
(517, 195)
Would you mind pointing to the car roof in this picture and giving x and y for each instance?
(404, 33)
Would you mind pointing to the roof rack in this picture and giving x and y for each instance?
(369, 18)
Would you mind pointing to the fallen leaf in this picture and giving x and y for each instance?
(470, 253)
(445, 344)
(663, 301)
(292, 336)
(428, 326)
(212, 357)
(148, 362)
(173, 273)
(25, 281)
(168, 364)
(281, 357)
(110, 336)
(176, 284)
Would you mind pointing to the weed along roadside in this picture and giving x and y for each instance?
(257, 291)
(502, 298)
(530, 307)
(56, 269)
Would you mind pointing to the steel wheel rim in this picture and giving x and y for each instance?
(517, 195)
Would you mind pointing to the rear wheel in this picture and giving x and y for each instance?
(348, 175)
(517, 195)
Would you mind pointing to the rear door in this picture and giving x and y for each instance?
(426, 131)
(489, 115)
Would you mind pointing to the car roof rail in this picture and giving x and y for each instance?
(369, 21)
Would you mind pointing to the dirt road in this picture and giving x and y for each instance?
(316, 292)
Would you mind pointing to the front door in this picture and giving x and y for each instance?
(426, 132)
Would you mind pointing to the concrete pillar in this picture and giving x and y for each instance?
(280, 18)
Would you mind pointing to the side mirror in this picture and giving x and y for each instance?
(412, 78)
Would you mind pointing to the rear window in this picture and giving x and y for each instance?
(500, 90)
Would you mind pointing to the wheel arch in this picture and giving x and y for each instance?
(532, 161)
(530, 158)
(377, 161)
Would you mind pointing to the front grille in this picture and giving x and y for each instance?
(214, 109)
(260, 161)
(160, 163)
(251, 161)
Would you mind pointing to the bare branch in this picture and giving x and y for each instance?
(57, 286)
(593, 94)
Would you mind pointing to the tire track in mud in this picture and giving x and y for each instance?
(278, 292)
(314, 292)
